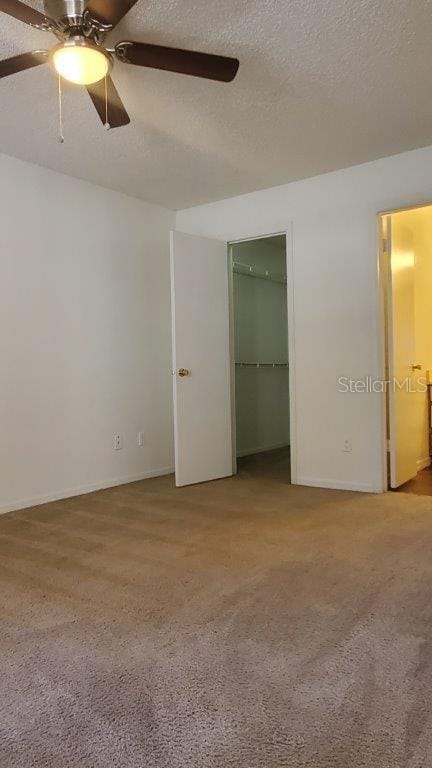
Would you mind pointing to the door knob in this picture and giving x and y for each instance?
(184, 372)
(417, 367)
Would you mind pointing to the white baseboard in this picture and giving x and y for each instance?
(261, 449)
(37, 500)
(337, 485)
(423, 463)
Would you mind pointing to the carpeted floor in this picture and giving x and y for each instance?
(245, 623)
(421, 485)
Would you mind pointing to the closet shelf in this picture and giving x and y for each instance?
(250, 271)
(262, 365)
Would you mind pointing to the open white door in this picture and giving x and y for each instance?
(201, 359)
(401, 351)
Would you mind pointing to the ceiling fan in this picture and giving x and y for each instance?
(81, 57)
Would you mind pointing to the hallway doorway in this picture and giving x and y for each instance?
(407, 277)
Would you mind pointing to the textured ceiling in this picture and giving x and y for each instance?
(323, 84)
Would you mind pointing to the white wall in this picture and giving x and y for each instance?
(261, 334)
(336, 303)
(84, 336)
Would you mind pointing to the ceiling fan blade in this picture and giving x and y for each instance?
(24, 13)
(21, 62)
(110, 11)
(177, 60)
(116, 113)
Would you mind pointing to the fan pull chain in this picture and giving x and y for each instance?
(61, 137)
(107, 125)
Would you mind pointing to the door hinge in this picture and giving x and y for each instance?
(384, 244)
(388, 446)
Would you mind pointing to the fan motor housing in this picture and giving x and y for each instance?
(71, 18)
(60, 9)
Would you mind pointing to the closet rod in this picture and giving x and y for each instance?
(262, 365)
(251, 271)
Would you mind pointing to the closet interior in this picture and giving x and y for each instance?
(260, 331)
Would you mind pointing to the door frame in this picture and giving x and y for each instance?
(287, 231)
(383, 263)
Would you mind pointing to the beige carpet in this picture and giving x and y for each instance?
(241, 624)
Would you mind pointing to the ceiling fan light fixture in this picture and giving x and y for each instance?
(80, 61)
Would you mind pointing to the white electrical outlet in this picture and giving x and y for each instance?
(118, 445)
(140, 439)
(347, 446)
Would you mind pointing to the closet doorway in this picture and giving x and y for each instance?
(260, 356)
